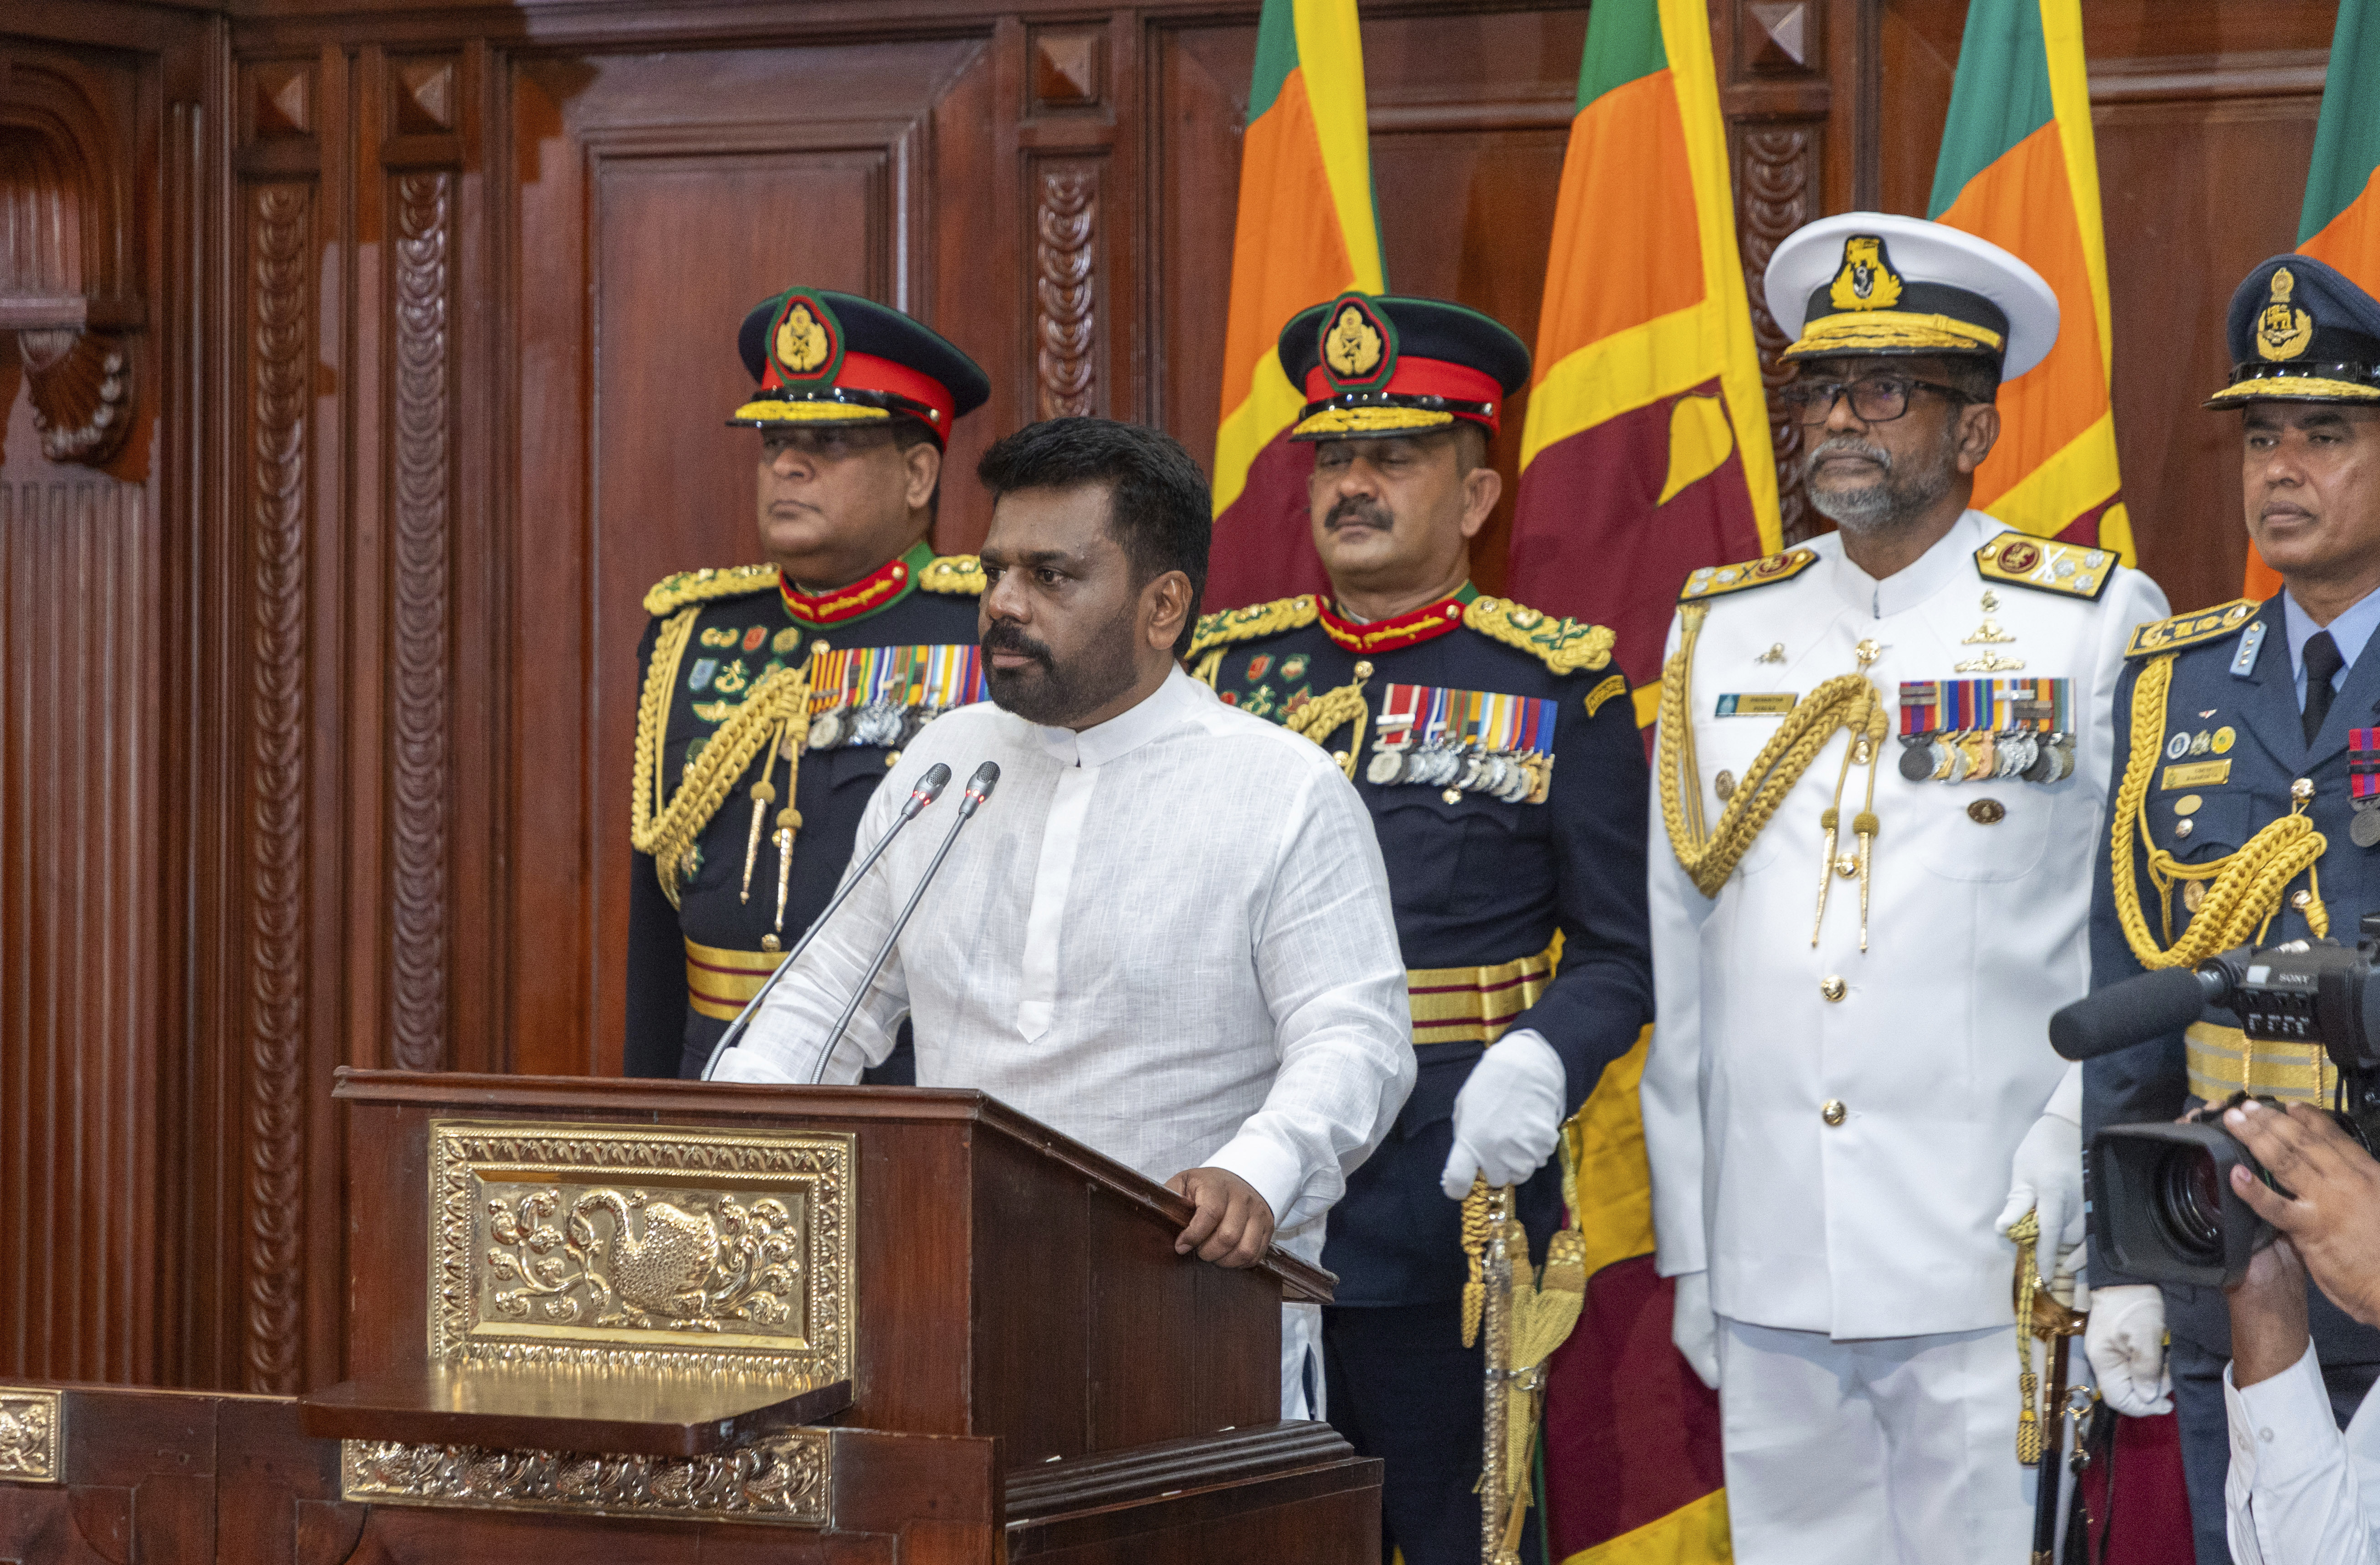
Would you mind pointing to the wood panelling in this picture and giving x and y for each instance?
(315, 695)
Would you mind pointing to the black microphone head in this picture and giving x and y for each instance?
(2134, 1011)
(979, 787)
(938, 776)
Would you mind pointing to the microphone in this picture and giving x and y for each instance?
(930, 788)
(2136, 1010)
(979, 789)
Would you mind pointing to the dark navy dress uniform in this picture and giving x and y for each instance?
(767, 716)
(2228, 759)
(695, 959)
(1516, 870)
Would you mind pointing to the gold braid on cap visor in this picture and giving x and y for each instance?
(1872, 330)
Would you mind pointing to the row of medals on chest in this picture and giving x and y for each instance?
(1972, 754)
(1459, 766)
(880, 723)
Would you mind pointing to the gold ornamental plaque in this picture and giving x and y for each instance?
(30, 1418)
(785, 1479)
(663, 1250)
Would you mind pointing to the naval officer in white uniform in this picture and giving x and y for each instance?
(1882, 764)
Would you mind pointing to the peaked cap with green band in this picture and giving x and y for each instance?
(823, 357)
(1376, 365)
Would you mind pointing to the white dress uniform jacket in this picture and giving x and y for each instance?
(1936, 1053)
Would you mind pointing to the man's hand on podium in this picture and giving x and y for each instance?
(1234, 1224)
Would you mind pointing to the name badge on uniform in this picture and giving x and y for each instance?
(1466, 741)
(1773, 704)
(1986, 730)
(883, 695)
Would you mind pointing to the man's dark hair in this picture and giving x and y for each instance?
(1158, 501)
(1973, 376)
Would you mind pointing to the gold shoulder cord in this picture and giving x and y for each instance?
(1846, 701)
(771, 717)
(2249, 884)
(1322, 717)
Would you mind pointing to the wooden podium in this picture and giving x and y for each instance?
(670, 1321)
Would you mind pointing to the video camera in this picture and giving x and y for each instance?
(2159, 1195)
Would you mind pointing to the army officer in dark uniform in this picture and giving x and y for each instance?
(775, 696)
(2253, 730)
(1496, 749)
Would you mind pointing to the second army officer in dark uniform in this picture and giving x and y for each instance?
(1496, 749)
(776, 696)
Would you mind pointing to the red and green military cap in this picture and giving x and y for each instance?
(828, 357)
(1376, 365)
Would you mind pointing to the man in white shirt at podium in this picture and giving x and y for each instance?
(1168, 934)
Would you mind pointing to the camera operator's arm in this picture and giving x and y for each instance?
(2292, 1493)
(2294, 1489)
(2333, 1219)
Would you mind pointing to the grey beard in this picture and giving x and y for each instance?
(1893, 499)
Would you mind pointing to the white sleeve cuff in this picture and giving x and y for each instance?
(1273, 1169)
(743, 1064)
(2282, 1427)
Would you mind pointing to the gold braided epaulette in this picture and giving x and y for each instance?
(1713, 581)
(2075, 570)
(960, 576)
(1565, 645)
(674, 592)
(2190, 630)
(1227, 625)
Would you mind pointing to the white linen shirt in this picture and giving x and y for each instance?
(1934, 1057)
(1168, 936)
(2294, 1492)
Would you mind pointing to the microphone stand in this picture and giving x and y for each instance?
(930, 788)
(979, 789)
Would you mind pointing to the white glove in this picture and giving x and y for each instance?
(1694, 1326)
(2047, 1177)
(1509, 1114)
(2125, 1343)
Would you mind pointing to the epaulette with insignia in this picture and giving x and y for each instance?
(674, 592)
(1713, 581)
(2047, 565)
(2191, 630)
(1565, 645)
(958, 575)
(1227, 625)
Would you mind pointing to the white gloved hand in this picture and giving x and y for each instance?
(1694, 1326)
(1509, 1114)
(2125, 1343)
(2047, 1176)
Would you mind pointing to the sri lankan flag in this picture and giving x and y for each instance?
(2017, 168)
(1645, 451)
(2340, 221)
(1306, 233)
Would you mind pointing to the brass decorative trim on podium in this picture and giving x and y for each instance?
(725, 1253)
(785, 1479)
(28, 1435)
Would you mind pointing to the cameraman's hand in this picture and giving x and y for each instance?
(2125, 1343)
(2332, 1215)
(2268, 1316)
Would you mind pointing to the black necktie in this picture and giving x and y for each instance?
(2322, 660)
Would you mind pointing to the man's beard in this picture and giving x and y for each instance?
(1055, 695)
(1896, 497)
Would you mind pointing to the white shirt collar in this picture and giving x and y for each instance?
(1928, 575)
(1167, 706)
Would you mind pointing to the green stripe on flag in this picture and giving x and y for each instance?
(2347, 141)
(2001, 96)
(1276, 56)
(1624, 44)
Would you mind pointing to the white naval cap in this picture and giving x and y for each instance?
(1872, 283)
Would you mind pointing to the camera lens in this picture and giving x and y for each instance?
(2189, 1202)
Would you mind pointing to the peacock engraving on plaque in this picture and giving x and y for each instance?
(28, 1435)
(591, 1246)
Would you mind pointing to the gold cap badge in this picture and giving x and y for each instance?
(802, 344)
(1353, 346)
(2283, 330)
(1867, 280)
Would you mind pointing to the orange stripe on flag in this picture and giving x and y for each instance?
(2351, 240)
(1625, 236)
(1287, 252)
(2023, 204)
